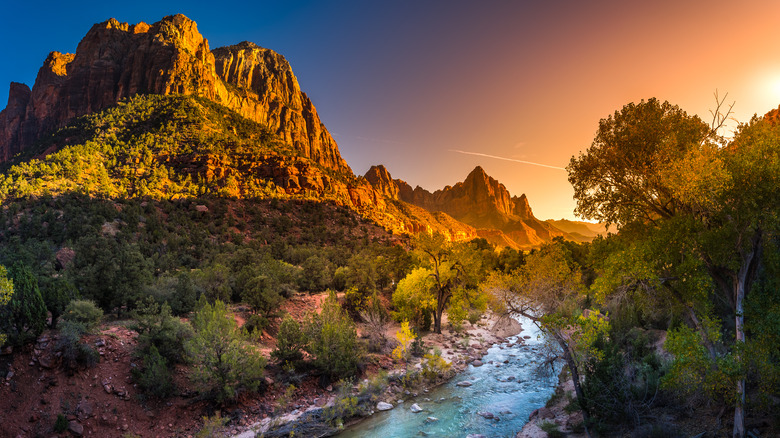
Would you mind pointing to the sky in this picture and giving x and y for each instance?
(433, 88)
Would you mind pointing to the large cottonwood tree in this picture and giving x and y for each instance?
(651, 163)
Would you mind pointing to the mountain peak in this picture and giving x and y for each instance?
(116, 60)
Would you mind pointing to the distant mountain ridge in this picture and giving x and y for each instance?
(480, 201)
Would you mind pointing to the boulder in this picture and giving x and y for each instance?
(477, 363)
(76, 428)
(383, 406)
(464, 384)
(415, 408)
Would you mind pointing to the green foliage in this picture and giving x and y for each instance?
(261, 295)
(434, 366)
(75, 353)
(290, 341)
(617, 179)
(110, 273)
(694, 374)
(83, 312)
(551, 429)
(158, 329)
(6, 291)
(179, 291)
(344, 407)
(224, 362)
(56, 296)
(316, 274)
(413, 299)
(212, 426)
(154, 378)
(24, 317)
(61, 424)
(333, 340)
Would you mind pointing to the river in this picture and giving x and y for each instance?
(509, 391)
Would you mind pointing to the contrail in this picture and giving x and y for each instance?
(506, 159)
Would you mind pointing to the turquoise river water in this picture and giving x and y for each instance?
(510, 391)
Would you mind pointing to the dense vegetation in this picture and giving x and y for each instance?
(131, 217)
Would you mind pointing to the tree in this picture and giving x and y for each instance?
(6, 292)
(24, 317)
(653, 164)
(413, 298)
(447, 271)
(333, 340)
(290, 341)
(224, 362)
(57, 293)
(548, 290)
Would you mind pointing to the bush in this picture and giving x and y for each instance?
(74, 352)
(290, 341)
(333, 340)
(158, 329)
(24, 317)
(255, 324)
(376, 319)
(84, 312)
(435, 366)
(224, 362)
(61, 425)
(154, 378)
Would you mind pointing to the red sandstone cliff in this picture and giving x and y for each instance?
(116, 60)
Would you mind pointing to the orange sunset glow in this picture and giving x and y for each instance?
(408, 85)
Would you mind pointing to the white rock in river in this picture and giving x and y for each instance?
(464, 384)
(431, 419)
(415, 408)
(382, 406)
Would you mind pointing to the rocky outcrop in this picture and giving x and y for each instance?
(116, 60)
(266, 90)
(382, 182)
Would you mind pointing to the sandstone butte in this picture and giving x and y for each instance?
(117, 60)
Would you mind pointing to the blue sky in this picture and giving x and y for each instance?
(434, 88)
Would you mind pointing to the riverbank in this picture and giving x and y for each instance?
(404, 381)
(556, 414)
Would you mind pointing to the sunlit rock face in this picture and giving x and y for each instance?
(479, 201)
(116, 60)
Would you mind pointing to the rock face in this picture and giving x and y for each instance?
(479, 201)
(116, 60)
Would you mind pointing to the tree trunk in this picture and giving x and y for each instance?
(575, 377)
(741, 283)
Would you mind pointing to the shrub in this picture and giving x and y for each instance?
(61, 425)
(157, 328)
(255, 324)
(74, 352)
(84, 312)
(551, 429)
(333, 340)
(154, 378)
(24, 317)
(290, 341)
(376, 319)
(224, 362)
(435, 366)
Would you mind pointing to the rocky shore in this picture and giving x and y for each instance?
(461, 348)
